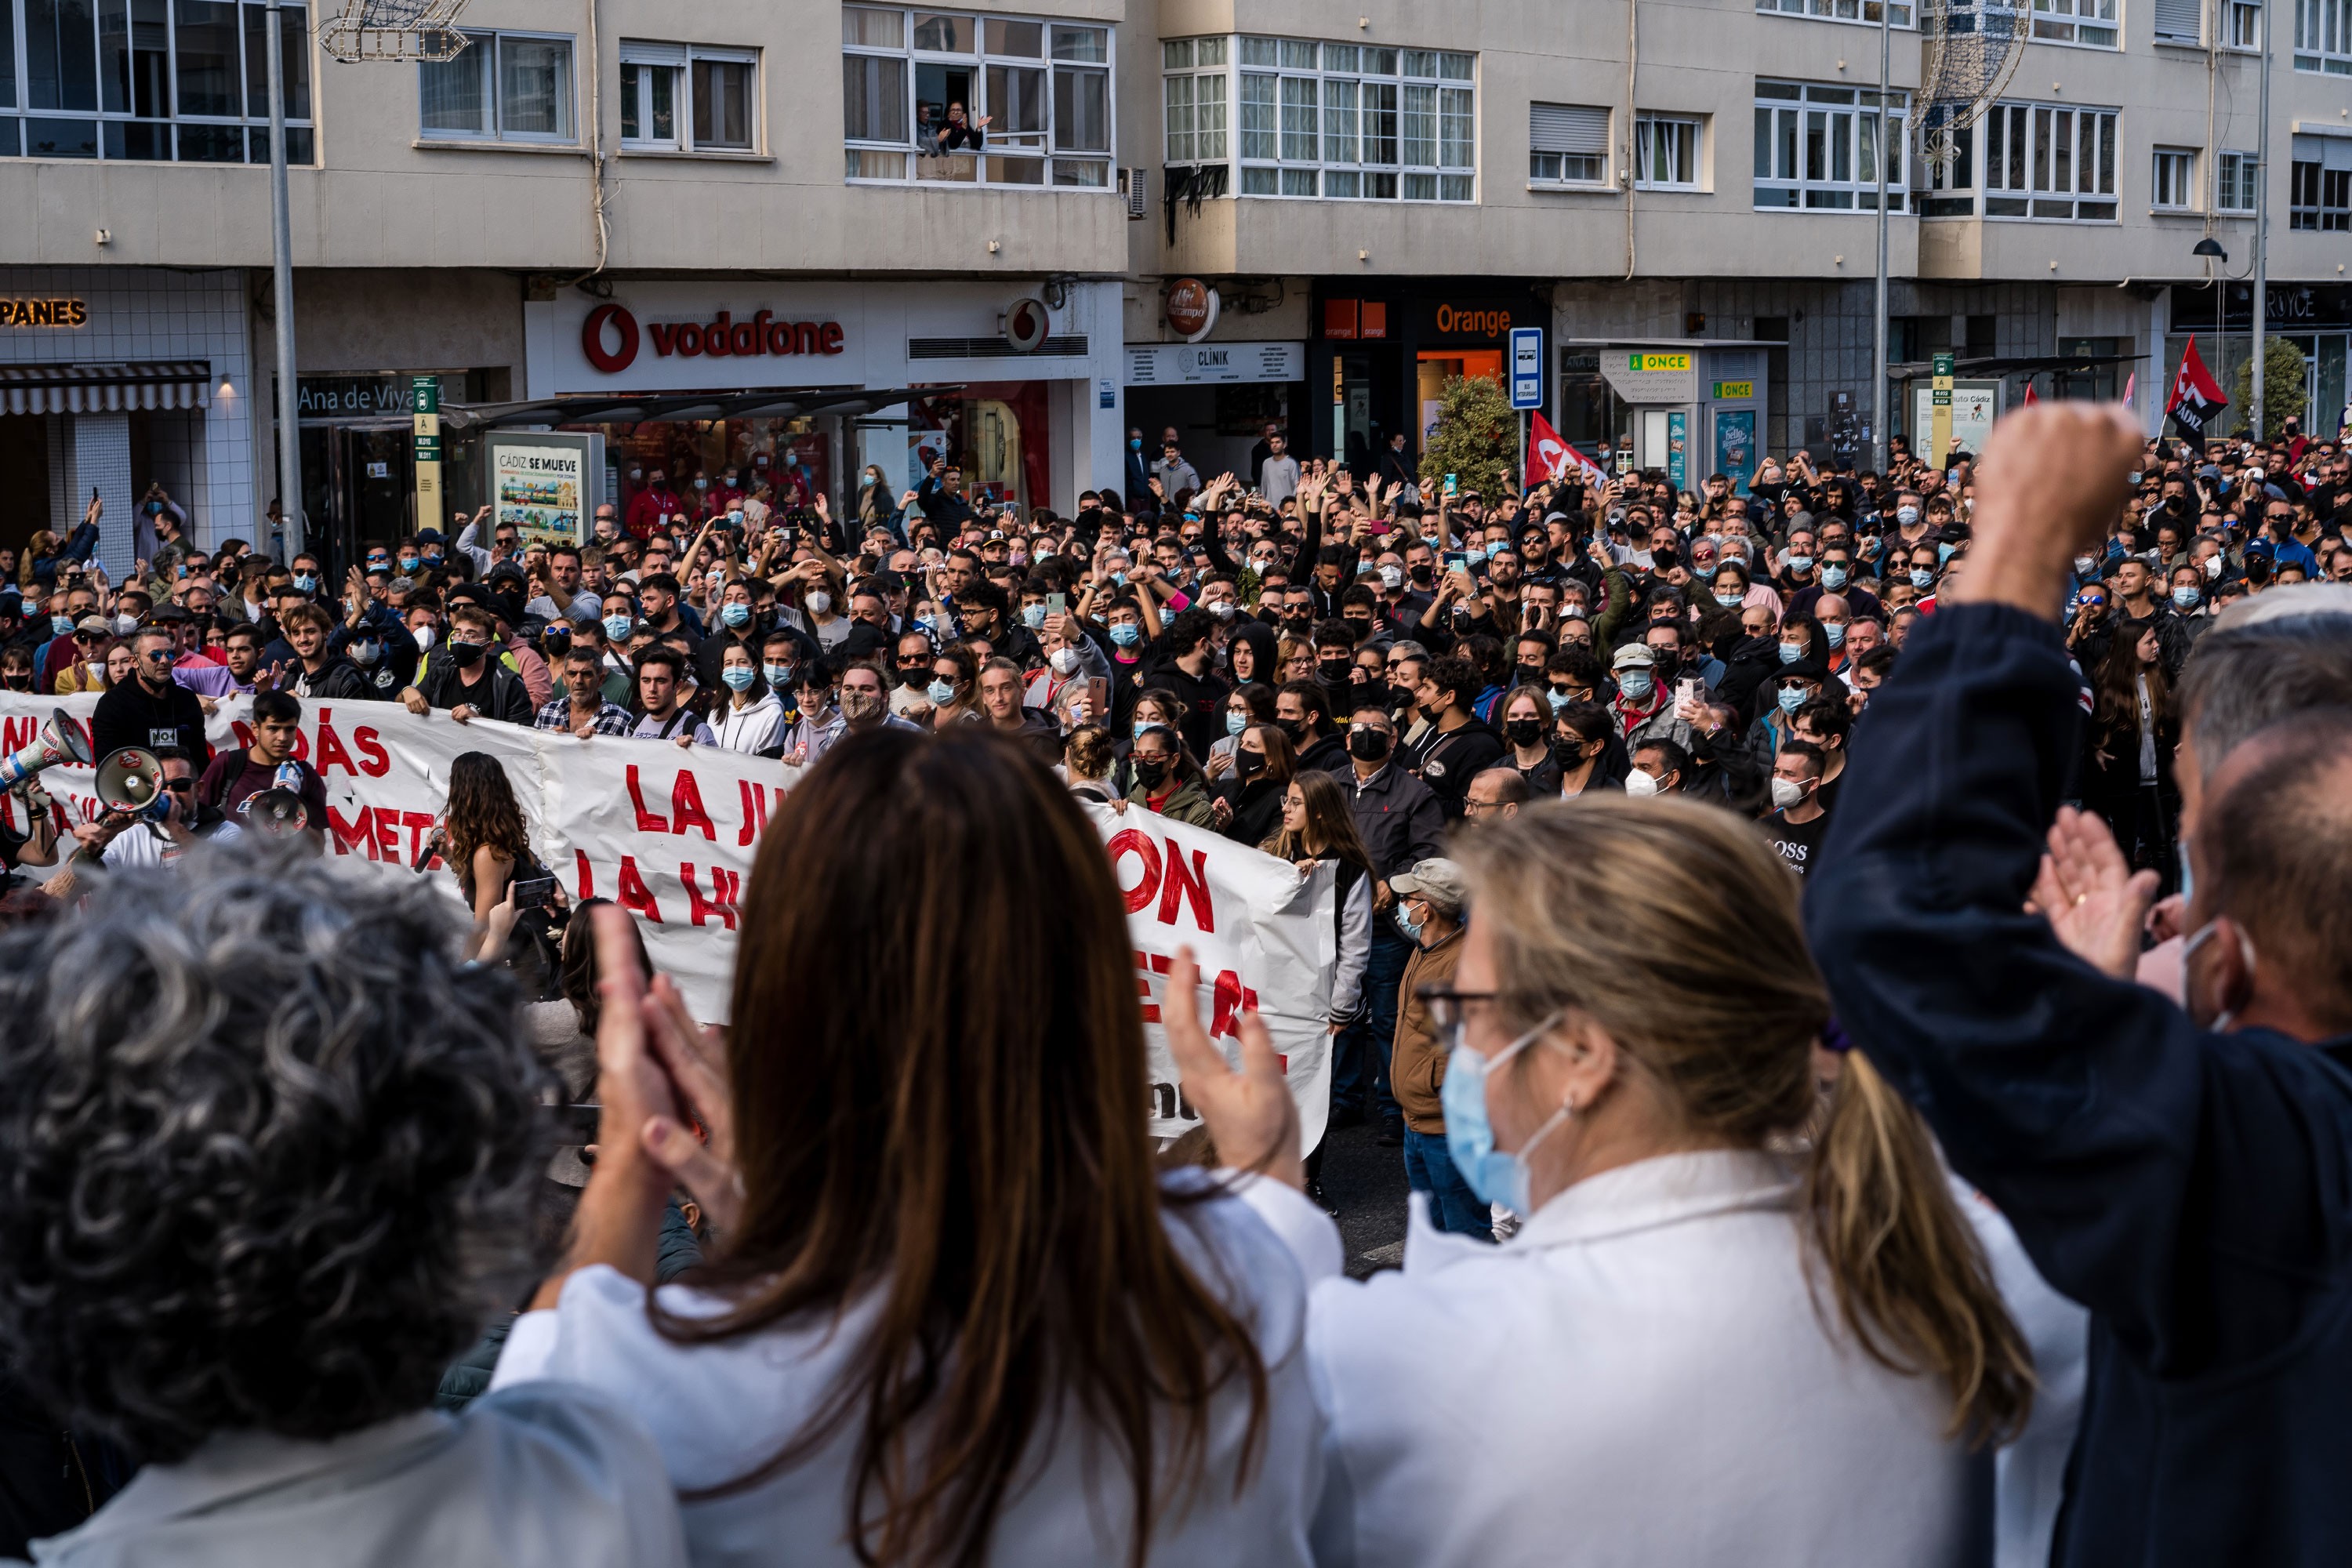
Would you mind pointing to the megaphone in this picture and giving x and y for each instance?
(132, 780)
(279, 812)
(60, 740)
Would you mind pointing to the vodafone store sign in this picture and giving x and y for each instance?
(611, 338)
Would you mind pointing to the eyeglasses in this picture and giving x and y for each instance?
(180, 786)
(1449, 1010)
(157, 656)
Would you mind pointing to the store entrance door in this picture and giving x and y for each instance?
(372, 487)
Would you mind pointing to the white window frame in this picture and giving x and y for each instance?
(2323, 37)
(485, 47)
(1196, 82)
(2234, 177)
(1549, 170)
(1864, 12)
(1042, 160)
(110, 129)
(2172, 180)
(2078, 24)
(640, 54)
(1825, 127)
(1655, 129)
(1297, 112)
(2022, 180)
(2242, 26)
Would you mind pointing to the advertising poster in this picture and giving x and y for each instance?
(1735, 446)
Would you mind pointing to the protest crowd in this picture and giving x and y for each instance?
(1854, 968)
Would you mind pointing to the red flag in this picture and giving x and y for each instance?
(2130, 381)
(2030, 398)
(1552, 458)
(2194, 397)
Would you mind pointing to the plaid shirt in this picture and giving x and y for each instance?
(611, 718)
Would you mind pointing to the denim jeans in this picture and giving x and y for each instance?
(1453, 1206)
(1359, 1062)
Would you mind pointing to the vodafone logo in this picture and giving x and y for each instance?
(610, 338)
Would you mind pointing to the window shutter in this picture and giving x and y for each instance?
(2302, 148)
(2178, 19)
(640, 52)
(1567, 128)
(2335, 153)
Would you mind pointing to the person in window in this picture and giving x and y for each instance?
(960, 132)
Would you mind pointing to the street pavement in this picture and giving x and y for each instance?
(1366, 1184)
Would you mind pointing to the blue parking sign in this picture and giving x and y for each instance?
(1526, 367)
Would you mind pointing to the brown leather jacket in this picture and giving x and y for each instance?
(1416, 1061)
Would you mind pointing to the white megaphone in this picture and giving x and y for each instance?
(61, 740)
(278, 811)
(132, 780)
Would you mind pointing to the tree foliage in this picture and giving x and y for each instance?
(1477, 438)
(2284, 373)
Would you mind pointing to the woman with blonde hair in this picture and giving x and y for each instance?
(1735, 1325)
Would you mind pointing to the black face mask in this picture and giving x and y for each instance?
(1418, 575)
(16, 683)
(1294, 728)
(1249, 764)
(1151, 772)
(1525, 731)
(1530, 675)
(1368, 745)
(468, 654)
(919, 675)
(1400, 698)
(1334, 671)
(1664, 665)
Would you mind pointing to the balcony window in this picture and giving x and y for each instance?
(1334, 121)
(149, 80)
(949, 99)
(505, 86)
(1817, 147)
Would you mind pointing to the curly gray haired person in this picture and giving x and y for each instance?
(267, 1157)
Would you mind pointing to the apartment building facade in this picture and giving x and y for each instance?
(861, 236)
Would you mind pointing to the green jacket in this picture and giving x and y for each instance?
(1189, 804)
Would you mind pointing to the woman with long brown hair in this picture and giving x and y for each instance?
(1735, 1325)
(485, 840)
(2127, 750)
(954, 1315)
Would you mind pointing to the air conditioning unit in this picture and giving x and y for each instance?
(1135, 184)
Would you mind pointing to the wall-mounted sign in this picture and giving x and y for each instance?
(1526, 367)
(610, 337)
(1727, 391)
(1193, 364)
(1026, 323)
(1193, 309)
(1472, 320)
(1640, 376)
(545, 484)
(44, 313)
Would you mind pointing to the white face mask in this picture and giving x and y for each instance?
(1064, 661)
(1786, 793)
(425, 638)
(1638, 782)
(820, 603)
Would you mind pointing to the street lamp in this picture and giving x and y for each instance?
(2211, 248)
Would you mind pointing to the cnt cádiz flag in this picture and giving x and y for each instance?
(1550, 458)
(2195, 398)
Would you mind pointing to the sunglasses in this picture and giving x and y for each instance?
(180, 786)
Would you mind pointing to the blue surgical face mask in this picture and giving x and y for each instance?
(735, 614)
(1907, 515)
(1135, 443)
(737, 677)
(2186, 595)
(941, 693)
(1119, 578)
(1922, 577)
(1832, 576)
(407, 564)
(1637, 685)
(1835, 632)
(1495, 1175)
(1944, 553)
(1559, 700)
(1791, 698)
(779, 676)
(1475, 554)
(1033, 616)
(307, 582)
(61, 625)
(1236, 722)
(1407, 924)
(1125, 634)
(1791, 652)
(1800, 563)
(618, 627)
(1731, 601)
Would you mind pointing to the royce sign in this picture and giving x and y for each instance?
(610, 337)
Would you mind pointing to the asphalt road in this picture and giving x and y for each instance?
(1366, 1184)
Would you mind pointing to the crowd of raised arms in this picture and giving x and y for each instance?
(1855, 968)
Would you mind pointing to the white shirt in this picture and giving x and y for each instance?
(145, 844)
(2030, 1474)
(718, 1411)
(1640, 1376)
(752, 727)
(650, 729)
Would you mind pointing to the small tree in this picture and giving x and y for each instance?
(2284, 373)
(1477, 438)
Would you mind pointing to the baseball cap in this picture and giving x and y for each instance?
(1438, 880)
(1632, 655)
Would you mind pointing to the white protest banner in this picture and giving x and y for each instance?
(1263, 937)
(668, 832)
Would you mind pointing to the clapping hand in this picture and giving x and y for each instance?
(2096, 905)
(1248, 1110)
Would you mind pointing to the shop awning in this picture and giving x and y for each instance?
(596, 408)
(2007, 365)
(104, 388)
